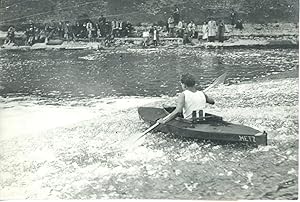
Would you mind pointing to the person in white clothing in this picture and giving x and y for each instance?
(89, 28)
(205, 31)
(155, 36)
(212, 30)
(189, 100)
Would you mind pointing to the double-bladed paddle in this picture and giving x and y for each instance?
(134, 139)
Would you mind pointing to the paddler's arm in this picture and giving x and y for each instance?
(209, 100)
(173, 114)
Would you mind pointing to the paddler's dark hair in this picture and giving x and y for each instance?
(188, 80)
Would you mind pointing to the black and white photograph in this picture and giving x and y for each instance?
(149, 100)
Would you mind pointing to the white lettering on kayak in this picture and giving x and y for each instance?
(247, 138)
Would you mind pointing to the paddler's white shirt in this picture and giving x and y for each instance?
(193, 101)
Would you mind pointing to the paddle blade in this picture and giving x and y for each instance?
(137, 139)
(131, 145)
(218, 81)
(134, 141)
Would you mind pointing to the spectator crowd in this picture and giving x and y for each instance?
(179, 28)
(81, 29)
(87, 29)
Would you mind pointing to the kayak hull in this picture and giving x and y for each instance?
(211, 129)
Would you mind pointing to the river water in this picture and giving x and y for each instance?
(66, 114)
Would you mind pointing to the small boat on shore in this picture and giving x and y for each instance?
(208, 127)
(14, 47)
(54, 42)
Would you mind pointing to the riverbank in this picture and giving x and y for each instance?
(272, 35)
(237, 43)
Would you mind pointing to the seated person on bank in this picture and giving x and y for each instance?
(189, 100)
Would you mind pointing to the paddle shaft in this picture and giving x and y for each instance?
(151, 128)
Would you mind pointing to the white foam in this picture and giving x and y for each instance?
(24, 119)
(64, 154)
(21, 120)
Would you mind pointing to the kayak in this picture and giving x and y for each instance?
(207, 127)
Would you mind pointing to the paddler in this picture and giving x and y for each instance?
(189, 100)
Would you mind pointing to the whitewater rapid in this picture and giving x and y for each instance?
(67, 151)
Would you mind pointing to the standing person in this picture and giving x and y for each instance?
(76, 30)
(176, 15)
(121, 28)
(232, 17)
(120, 32)
(151, 32)
(102, 21)
(179, 29)
(221, 31)
(50, 30)
(37, 35)
(60, 29)
(30, 34)
(155, 36)
(191, 28)
(205, 31)
(66, 31)
(171, 26)
(89, 29)
(42, 36)
(83, 30)
(189, 100)
(146, 37)
(117, 34)
(114, 27)
(107, 28)
(69, 33)
(128, 29)
(212, 29)
(98, 32)
(184, 26)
